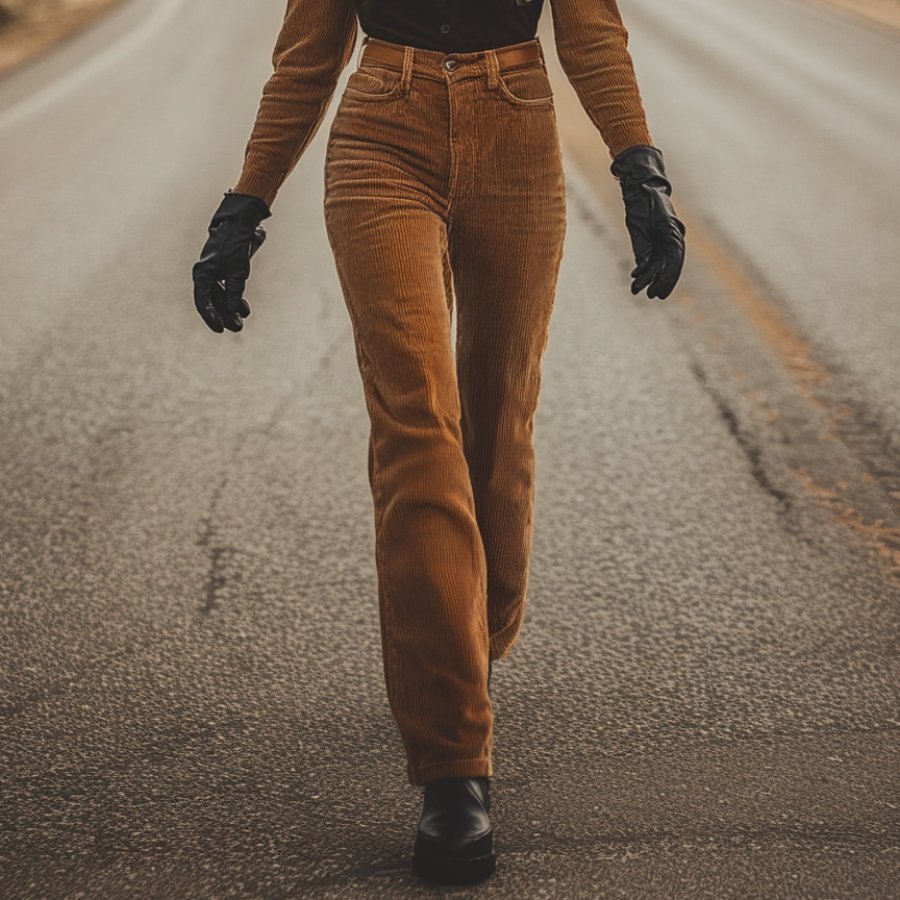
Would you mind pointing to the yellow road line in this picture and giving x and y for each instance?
(764, 315)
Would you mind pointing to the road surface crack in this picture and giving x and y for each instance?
(750, 449)
(221, 554)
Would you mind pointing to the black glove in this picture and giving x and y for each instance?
(657, 234)
(224, 265)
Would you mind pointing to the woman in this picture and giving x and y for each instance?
(444, 185)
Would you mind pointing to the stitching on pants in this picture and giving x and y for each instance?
(454, 156)
(448, 276)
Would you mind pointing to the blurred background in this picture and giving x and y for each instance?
(704, 700)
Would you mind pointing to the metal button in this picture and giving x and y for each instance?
(450, 64)
(445, 29)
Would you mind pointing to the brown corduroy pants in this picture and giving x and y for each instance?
(444, 181)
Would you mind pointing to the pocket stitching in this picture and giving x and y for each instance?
(358, 94)
(523, 101)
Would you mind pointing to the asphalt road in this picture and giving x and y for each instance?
(704, 701)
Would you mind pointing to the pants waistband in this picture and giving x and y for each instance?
(436, 63)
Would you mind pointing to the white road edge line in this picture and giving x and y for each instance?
(92, 67)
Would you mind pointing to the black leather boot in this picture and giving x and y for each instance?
(455, 839)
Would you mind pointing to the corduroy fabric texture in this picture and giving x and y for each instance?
(315, 45)
(445, 189)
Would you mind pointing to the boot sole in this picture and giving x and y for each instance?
(430, 864)
(455, 870)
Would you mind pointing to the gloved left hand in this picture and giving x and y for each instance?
(221, 273)
(657, 234)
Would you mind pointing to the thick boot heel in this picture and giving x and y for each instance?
(479, 862)
(455, 840)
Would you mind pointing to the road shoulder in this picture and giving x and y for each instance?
(25, 40)
(882, 12)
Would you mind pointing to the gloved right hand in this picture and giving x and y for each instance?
(221, 273)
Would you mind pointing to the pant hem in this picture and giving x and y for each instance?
(501, 644)
(452, 768)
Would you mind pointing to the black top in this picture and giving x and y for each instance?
(450, 26)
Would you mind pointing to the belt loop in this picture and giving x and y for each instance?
(493, 67)
(362, 47)
(406, 77)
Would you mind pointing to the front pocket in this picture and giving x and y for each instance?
(527, 87)
(373, 82)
